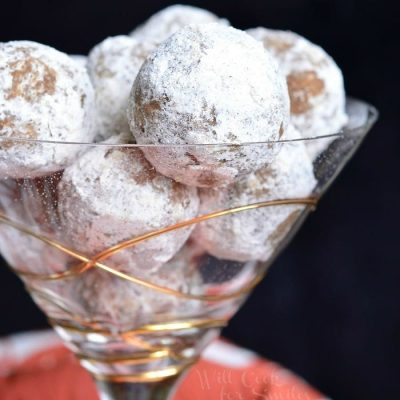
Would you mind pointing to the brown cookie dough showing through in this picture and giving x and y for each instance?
(315, 83)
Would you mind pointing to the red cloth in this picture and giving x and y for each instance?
(225, 373)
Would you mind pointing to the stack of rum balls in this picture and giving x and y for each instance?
(183, 79)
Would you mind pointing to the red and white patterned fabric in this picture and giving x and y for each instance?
(36, 366)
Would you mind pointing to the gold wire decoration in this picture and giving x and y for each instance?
(88, 263)
(136, 337)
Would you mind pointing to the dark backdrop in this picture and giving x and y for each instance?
(330, 307)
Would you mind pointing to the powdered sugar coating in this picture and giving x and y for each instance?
(113, 65)
(209, 84)
(166, 22)
(80, 59)
(255, 234)
(44, 95)
(315, 85)
(112, 194)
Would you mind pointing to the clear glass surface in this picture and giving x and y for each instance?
(138, 298)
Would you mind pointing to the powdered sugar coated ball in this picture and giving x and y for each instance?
(164, 23)
(208, 84)
(110, 301)
(44, 95)
(315, 83)
(255, 234)
(120, 304)
(112, 194)
(113, 65)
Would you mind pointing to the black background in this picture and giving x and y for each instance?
(330, 306)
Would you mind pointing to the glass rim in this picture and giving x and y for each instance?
(372, 115)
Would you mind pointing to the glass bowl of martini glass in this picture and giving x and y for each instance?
(137, 273)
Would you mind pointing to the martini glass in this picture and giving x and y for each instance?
(137, 331)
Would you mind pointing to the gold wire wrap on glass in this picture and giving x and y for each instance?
(150, 352)
(88, 263)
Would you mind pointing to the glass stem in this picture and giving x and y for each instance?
(163, 390)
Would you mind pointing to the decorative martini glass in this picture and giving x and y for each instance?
(137, 333)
